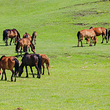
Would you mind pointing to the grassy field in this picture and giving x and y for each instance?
(79, 76)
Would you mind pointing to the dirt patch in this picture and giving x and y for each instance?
(81, 24)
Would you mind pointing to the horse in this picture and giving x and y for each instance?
(34, 35)
(26, 35)
(108, 34)
(86, 33)
(31, 60)
(24, 42)
(9, 63)
(45, 60)
(10, 33)
(100, 31)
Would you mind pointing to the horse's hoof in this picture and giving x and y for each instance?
(38, 77)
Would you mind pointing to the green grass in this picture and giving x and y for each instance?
(79, 77)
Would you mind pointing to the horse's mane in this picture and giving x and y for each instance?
(2, 57)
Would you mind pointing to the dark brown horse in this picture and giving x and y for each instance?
(9, 63)
(24, 42)
(100, 31)
(31, 60)
(86, 33)
(34, 35)
(10, 33)
(45, 60)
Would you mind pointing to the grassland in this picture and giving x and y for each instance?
(79, 77)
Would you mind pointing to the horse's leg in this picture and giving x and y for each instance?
(6, 41)
(34, 41)
(11, 40)
(106, 39)
(21, 50)
(12, 75)
(81, 44)
(2, 76)
(102, 38)
(43, 69)
(32, 71)
(48, 69)
(38, 75)
(95, 40)
(26, 72)
(91, 41)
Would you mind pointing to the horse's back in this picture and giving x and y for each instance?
(30, 59)
(87, 32)
(7, 63)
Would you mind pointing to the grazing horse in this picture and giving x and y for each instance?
(26, 35)
(24, 42)
(10, 33)
(34, 35)
(31, 60)
(100, 31)
(86, 33)
(45, 60)
(9, 63)
(108, 34)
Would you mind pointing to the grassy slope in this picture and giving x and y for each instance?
(79, 76)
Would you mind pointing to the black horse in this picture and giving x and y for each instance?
(31, 60)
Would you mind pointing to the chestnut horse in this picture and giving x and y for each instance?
(24, 42)
(9, 63)
(45, 60)
(86, 33)
(31, 60)
(34, 35)
(10, 33)
(100, 31)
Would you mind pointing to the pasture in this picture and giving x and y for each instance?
(79, 76)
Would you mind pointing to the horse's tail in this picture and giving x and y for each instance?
(18, 36)
(108, 34)
(16, 65)
(17, 45)
(78, 34)
(39, 62)
(4, 34)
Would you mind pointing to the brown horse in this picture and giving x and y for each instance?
(9, 63)
(34, 35)
(24, 42)
(45, 60)
(31, 60)
(10, 33)
(86, 33)
(26, 35)
(100, 31)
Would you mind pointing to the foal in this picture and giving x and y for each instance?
(45, 60)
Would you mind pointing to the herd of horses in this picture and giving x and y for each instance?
(38, 60)
(91, 34)
(11, 62)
